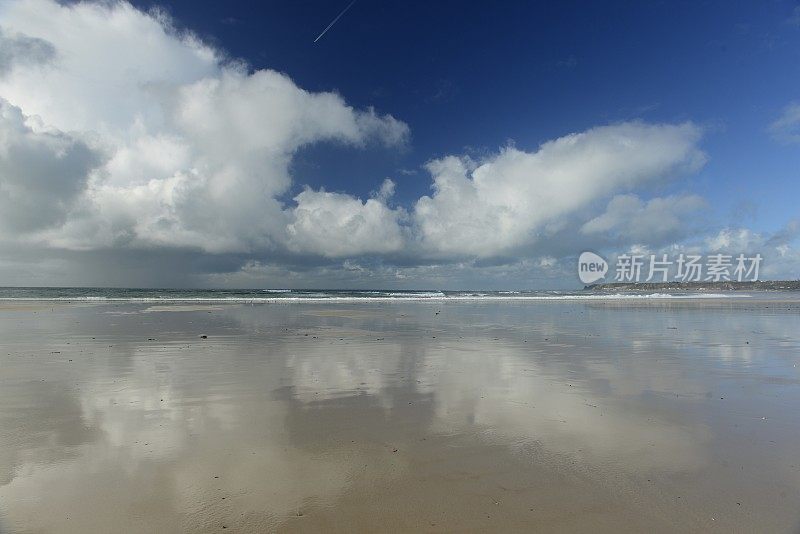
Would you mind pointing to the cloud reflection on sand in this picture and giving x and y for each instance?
(297, 408)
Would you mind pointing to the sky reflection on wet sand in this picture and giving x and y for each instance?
(505, 416)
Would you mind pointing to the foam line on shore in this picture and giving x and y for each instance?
(437, 298)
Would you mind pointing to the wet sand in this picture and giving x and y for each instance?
(486, 416)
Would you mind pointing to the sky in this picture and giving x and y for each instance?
(417, 145)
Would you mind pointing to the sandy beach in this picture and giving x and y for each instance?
(562, 416)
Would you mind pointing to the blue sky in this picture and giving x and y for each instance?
(698, 101)
(475, 75)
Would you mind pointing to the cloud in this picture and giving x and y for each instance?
(199, 147)
(781, 255)
(507, 201)
(386, 190)
(42, 172)
(20, 49)
(336, 225)
(657, 220)
(112, 66)
(786, 128)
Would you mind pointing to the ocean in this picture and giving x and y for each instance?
(321, 295)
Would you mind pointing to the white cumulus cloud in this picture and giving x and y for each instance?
(198, 147)
(336, 225)
(501, 204)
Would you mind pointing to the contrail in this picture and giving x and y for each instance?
(334, 20)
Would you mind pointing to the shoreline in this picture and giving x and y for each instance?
(319, 300)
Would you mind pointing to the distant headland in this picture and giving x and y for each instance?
(758, 285)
